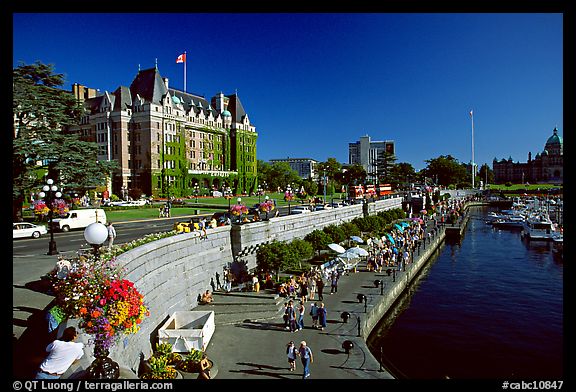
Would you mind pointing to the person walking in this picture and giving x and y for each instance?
(314, 314)
(334, 282)
(62, 353)
(291, 353)
(111, 235)
(306, 357)
(320, 287)
(322, 313)
(301, 310)
(291, 316)
(218, 284)
(312, 284)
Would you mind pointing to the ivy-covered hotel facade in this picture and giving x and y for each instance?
(169, 142)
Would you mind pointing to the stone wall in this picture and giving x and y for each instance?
(247, 238)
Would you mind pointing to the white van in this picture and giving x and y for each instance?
(79, 219)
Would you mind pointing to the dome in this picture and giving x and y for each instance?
(176, 100)
(226, 113)
(554, 139)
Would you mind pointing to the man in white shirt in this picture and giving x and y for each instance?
(62, 353)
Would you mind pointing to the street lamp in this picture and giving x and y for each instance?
(228, 195)
(239, 200)
(196, 190)
(259, 192)
(289, 196)
(96, 234)
(50, 193)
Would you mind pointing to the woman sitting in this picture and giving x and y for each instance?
(206, 298)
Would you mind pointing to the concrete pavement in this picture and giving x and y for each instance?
(250, 343)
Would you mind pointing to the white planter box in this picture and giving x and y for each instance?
(185, 330)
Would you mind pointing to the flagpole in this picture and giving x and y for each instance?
(473, 171)
(184, 71)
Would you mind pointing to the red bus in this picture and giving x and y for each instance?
(356, 192)
(384, 189)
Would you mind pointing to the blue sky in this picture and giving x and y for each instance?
(312, 83)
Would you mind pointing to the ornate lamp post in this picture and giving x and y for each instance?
(50, 193)
(289, 196)
(196, 190)
(103, 367)
(239, 200)
(96, 234)
(259, 192)
(228, 195)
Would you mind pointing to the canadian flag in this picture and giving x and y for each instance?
(181, 58)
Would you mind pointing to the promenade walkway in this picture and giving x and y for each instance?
(250, 343)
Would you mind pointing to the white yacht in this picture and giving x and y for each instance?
(539, 227)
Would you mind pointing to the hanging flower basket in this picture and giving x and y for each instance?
(107, 305)
(266, 206)
(238, 209)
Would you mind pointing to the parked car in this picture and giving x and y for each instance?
(323, 207)
(27, 230)
(299, 210)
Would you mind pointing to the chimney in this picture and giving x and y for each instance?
(165, 80)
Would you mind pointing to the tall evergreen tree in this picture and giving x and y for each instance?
(42, 112)
(384, 164)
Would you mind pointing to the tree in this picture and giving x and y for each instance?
(318, 239)
(384, 164)
(335, 232)
(354, 175)
(446, 169)
(300, 249)
(486, 175)
(310, 187)
(42, 112)
(279, 175)
(402, 173)
(270, 257)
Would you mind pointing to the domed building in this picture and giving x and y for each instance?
(546, 167)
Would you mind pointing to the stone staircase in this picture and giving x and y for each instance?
(238, 307)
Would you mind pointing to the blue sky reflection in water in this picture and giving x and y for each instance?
(489, 308)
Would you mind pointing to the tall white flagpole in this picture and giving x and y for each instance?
(473, 171)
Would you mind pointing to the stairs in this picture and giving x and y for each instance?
(238, 307)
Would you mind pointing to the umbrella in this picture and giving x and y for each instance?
(357, 239)
(337, 248)
(348, 255)
(359, 251)
(404, 224)
(391, 239)
(399, 227)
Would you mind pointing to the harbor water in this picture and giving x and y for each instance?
(487, 307)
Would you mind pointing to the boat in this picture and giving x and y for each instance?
(539, 227)
(511, 222)
(558, 245)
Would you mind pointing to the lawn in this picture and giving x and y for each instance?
(515, 187)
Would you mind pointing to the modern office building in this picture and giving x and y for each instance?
(168, 142)
(546, 167)
(306, 167)
(367, 153)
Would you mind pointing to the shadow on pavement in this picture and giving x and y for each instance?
(28, 351)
